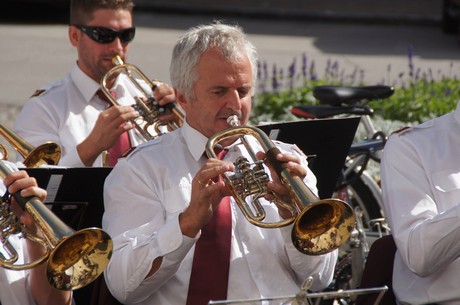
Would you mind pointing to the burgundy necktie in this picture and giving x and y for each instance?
(123, 143)
(211, 261)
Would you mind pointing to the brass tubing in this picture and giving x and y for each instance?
(320, 226)
(74, 259)
(48, 153)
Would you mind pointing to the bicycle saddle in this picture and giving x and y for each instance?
(326, 111)
(337, 95)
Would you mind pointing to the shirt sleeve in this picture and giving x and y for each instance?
(427, 239)
(37, 125)
(139, 240)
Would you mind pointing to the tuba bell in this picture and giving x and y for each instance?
(320, 226)
(48, 153)
(148, 124)
(74, 259)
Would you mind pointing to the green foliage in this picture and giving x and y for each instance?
(421, 101)
(418, 96)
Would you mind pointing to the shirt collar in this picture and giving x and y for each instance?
(195, 140)
(86, 85)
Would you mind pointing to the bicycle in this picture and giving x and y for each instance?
(355, 185)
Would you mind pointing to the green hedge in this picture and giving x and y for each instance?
(419, 95)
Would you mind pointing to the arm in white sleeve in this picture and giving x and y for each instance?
(37, 125)
(141, 234)
(426, 239)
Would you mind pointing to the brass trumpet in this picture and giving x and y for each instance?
(48, 153)
(148, 124)
(320, 226)
(74, 259)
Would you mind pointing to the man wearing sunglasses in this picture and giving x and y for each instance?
(72, 111)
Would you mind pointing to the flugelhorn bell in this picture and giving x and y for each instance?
(148, 124)
(320, 226)
(74, 259)
(48, 153)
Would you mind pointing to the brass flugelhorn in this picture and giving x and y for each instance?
(148, 124)
(320, 225)
(48, 153)
(74, 259)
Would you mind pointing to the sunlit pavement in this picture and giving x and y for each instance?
(36, 52)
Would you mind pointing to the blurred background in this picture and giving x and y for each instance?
(373, 41)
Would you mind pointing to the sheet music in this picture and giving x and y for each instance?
(53, 187)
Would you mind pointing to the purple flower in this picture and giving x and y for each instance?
(313, 75)
(304, 65)
(410, 55)
(275, 83)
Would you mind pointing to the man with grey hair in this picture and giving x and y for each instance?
(164, 203)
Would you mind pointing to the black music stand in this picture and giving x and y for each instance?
(75, 195)
(327, 141)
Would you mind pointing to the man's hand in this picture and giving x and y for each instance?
(292, 163)
(164, 95)
(206, 196)
(110, 124)
(20, 182)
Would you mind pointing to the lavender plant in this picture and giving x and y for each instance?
(419, 95)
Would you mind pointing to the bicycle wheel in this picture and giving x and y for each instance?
(360, 195)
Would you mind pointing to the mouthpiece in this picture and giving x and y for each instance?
(117, 61)
(233, 121)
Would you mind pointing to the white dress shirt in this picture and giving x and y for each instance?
(420, 174)
(144, 195)
(65, 113)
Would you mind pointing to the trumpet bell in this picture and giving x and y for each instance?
(323, 226)
(79, 259)
(48, 153)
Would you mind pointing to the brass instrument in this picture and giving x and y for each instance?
(48, 153)
(74, 259)
(149, 109)
(320, 226)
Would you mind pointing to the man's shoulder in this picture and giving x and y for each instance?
(434, 125)
(164, 145)
(49, 89)
(401, 130)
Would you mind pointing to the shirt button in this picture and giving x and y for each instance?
(171, 244)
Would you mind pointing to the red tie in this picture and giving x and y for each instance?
(123, 143)
(211, 261)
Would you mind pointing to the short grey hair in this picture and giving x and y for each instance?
(229, 39)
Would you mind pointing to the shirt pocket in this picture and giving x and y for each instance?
(177, 199)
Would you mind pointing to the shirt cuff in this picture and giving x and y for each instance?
(172, 242)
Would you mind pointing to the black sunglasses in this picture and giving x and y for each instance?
(105, 35)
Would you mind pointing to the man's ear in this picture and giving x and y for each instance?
(181, 99)
(74, 35)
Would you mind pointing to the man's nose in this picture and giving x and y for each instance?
(234, 100)
(116, 46)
